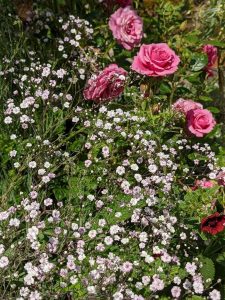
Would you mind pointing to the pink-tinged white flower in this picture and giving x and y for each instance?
(215, 295)
(35, 296)
(191, 268)
(14, 222)
(8, 120)
(138, 297)
(24, 291)
(126, 267)
(155, 60)
(2, 248)
(176, 291)
(107, 85)
(118, 296)
(198, 287)
(200, 122)
(184, 105)
(32, 164)
(4, 261)
(157, 285)
(120, 170)
(126, 27)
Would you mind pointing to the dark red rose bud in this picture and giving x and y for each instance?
(109, 4)
(213, 224)
(124, 3)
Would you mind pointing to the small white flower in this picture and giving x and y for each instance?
(8, 120)
(75, 119)
(41, 171)
(32, 164)
(134, 167)
(108, 240)
(47, 164)
(45, 179)
(4, 261)
(215, 295)
(92, 234)
(152, 168)
(16, 165)
(12, 153)
(120, 170)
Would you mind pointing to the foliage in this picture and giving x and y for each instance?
(106, 199)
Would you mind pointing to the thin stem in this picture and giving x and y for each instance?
(221, 90)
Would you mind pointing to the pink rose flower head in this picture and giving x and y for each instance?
(124, 3)
(203, 183)
(200, 122)
(155, 60)
(107, 85)
(221, 178)
(126, 27)
(183, 106)
(211, 52)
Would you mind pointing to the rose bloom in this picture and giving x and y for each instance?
(204, 183)
(183, 106)
(126, 27)
(211, 52)
(213, 224)
(155, 60)
(199, 122)
(107, 85)
(221, 178)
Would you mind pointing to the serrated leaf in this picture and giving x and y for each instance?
(208, 269)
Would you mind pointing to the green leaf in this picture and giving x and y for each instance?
(165, 88)
(192, 38)
(194, 77)
(205, 98)
(60, 193)
(215, 43)
(221, 259)
(208, 269)
(213, 109)
(199, 61)
(144, 105)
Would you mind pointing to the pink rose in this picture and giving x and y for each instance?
(124, 3)
(183, 106)
(200, 122)
(108, 84)
(155, 60)
(221, 178)
(126, 27)
(211, 53)
(204, 183)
